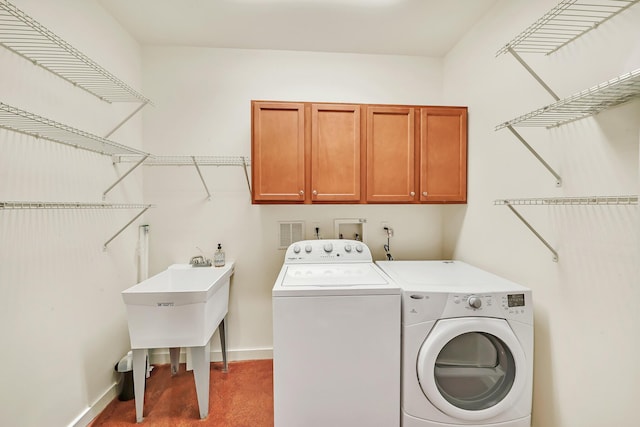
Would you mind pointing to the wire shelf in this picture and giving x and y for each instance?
(69, 205)
(583, 104)
(28, 38)
(564, 23)
(588, 200)
(81, 205)
(185, 160)
(31, 124)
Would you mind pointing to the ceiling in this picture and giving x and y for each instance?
(397, 27)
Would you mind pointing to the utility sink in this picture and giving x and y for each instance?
(179, 307)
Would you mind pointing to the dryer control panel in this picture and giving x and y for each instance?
(505, 305)
(424, 306)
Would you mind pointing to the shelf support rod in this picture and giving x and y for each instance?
(537, 156)
(104, 247)
(104, 195)
(544, 242)
(533, 73)
(126, 119)
(246, 174)
(195, 163)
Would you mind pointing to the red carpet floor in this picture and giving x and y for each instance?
(243, 397)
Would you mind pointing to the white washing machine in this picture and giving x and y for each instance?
(336, 338)
(467, 346)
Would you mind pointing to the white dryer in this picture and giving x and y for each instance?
(336, 338)
(467, 346)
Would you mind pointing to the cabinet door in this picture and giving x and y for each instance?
(443, 154)
(277, 152)
(390, 154)
(335, 153)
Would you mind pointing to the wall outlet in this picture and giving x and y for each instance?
(387, 230)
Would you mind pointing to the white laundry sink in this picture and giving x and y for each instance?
(178, 307)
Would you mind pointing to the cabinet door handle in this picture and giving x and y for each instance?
(302, 192)
(412, 193)
(424, 193)
(314, 192)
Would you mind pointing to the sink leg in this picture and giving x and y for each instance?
(222, 330)
(201, 365)
(139, 374)
(174, 355)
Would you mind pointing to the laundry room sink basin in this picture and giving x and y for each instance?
(178, 307)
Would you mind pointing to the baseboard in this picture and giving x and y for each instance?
(161, 356)
(94, 410)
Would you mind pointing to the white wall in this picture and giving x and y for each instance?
(586, 370)
(202, 107)
(63, 324)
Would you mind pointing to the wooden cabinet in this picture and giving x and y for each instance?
(335, 153)
(443, 154)
(344, 153)
(390, 154)
(278, 152)
(303, 153)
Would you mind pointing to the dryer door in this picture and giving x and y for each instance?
(472, 368)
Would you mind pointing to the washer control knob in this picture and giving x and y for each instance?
(474, 301)
(307, 249)
(328, 247)
(359, 248)
(347, 248)
(296, 249)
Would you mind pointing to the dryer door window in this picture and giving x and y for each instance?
(472, 368)
(474, 371)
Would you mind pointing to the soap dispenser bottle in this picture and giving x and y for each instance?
(218, 257)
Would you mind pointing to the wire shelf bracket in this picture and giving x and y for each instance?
(80, 205)
(104, 194)
(144, 209)
(126, 119)
(204, 183)
(28, 38)
(537, 156)
(533, 73)
(562, 201)
(533, 230)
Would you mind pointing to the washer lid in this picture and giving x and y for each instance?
(333, 279)
(334, 275)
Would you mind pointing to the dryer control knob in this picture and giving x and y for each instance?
(475, 302)
(358, 248)
(328, 247)
(347, 248)
(296, 249)
(308, 248)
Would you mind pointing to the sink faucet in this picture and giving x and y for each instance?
(200, 261)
